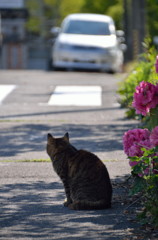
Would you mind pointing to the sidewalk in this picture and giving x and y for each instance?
(32, 207)
(31, 194)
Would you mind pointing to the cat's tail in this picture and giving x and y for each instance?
(89, 205)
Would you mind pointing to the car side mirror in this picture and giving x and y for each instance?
(120, 33)
(121, 36)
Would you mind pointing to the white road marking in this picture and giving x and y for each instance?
(5, 90)
(76, 96)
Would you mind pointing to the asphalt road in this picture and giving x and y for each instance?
(26, 117)
(31, 195)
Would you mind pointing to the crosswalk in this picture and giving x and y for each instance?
(65, 95)
(76, 96)
(5, 90)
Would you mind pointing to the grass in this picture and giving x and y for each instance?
(29, 121)
(44, 160)
(27, 160)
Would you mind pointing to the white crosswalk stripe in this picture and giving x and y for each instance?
(76, 96)
(5, 90)
(65, 95)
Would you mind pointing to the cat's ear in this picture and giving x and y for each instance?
(50, 138)
(66, 137)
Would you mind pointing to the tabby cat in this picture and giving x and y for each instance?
(85, 178)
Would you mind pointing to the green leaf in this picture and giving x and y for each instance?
(138, 186)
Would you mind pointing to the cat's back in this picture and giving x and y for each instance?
(84, 163)
(89, 177)
(85, 157)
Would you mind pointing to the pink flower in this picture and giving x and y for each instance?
(133, 163)
(145, 97)
(135, 149)
(154, 136)
(134, 140)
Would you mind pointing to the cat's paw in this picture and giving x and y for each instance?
(71, 206)
(67, 202)
(74, 206)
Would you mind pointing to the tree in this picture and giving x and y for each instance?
(33, 23)
(45, 14)
(116, 12)
(53, 11)
(99, 6)
(70, 6)
(42, 15)
(112, 8)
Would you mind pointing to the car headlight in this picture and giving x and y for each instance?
(112, 51)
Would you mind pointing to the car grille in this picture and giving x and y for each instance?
(84, 61)
(86, 48)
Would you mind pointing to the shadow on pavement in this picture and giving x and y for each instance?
(21, 138)
(66, 111)
(34, 210)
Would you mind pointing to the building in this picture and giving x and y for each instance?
(13, 45)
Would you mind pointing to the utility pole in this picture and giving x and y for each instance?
(143, 23)
(127, 25)
(134, 26)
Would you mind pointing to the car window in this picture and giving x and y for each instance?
(87, 27)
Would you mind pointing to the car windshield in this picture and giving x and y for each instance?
(87, 27)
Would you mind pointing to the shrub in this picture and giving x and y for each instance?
(141, 147)
(143, 71)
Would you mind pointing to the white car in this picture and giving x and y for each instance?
(87, 41)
